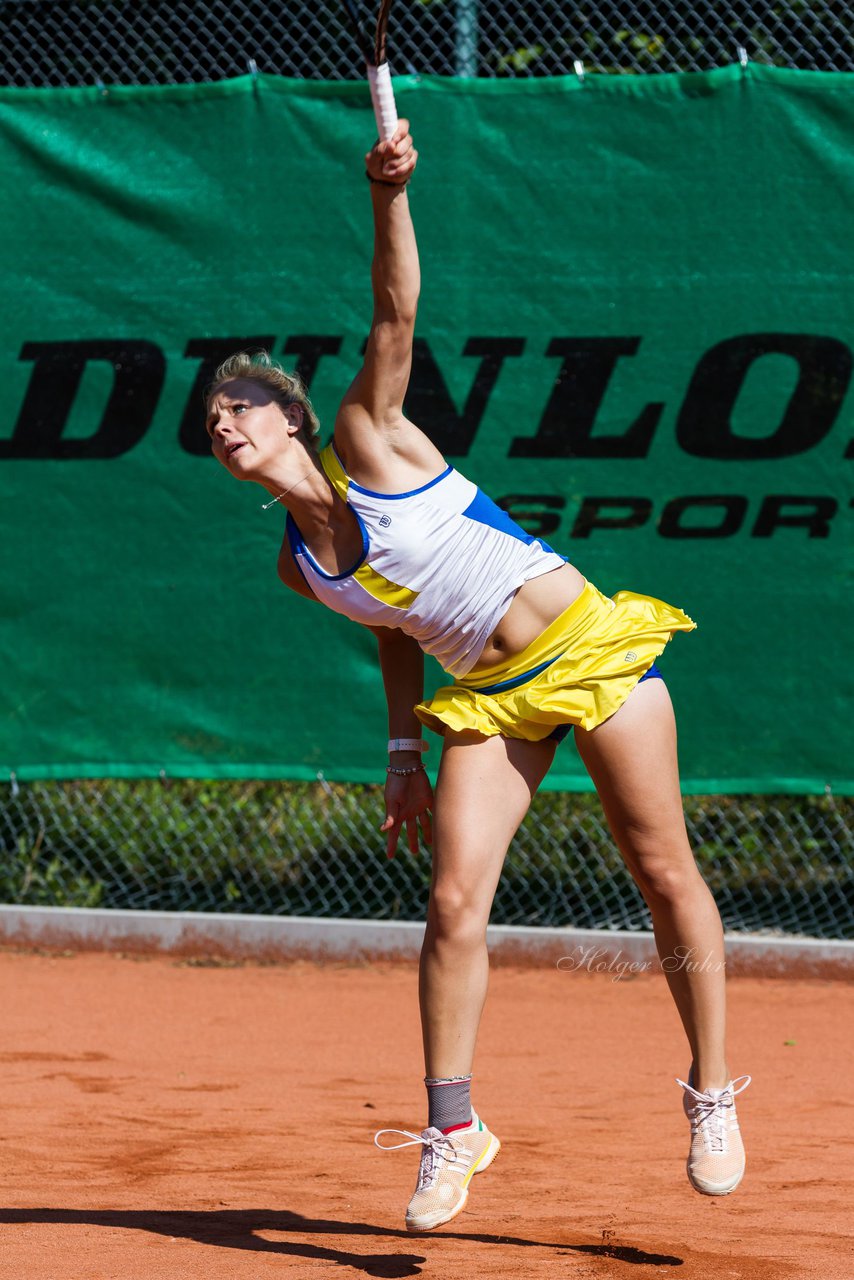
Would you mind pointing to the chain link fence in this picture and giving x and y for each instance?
(780, 864)
(86, 42)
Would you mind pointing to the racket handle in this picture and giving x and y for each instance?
(382, 96)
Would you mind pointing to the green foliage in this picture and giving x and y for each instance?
(315, 849)
(519, 61)
(29, 876)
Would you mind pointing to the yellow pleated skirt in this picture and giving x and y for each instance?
(579, 671)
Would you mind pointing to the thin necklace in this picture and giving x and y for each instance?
(278, 498)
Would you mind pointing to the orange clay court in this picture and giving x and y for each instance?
(172, 1120)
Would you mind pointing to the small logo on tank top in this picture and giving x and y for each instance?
(384, 522)
(631, 656)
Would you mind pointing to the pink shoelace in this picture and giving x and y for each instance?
(710, 1113)
(439, 1149)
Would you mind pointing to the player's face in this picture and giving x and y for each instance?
(248, 429)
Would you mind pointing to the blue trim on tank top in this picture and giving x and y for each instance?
(393, 497)
(297, 545)
(484, 510)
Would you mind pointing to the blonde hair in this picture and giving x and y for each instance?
(286, 388)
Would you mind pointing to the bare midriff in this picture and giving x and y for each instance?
(534, 607)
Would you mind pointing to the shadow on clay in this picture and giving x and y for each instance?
(236, 1229)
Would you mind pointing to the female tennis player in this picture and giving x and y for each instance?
(381, 529)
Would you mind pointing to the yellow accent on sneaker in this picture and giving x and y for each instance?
(716, 1158)
(448, 1164)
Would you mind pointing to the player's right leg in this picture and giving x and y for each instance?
(484, 789)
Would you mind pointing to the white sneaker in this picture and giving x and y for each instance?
(716, 1159)
(448, 1163)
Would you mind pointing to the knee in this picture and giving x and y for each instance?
(455, 915)
(668, 877)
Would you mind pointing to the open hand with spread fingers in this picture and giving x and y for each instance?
(408, 801)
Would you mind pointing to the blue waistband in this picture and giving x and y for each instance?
(517, 680)
(650, 673)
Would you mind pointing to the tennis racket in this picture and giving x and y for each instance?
(376, 62)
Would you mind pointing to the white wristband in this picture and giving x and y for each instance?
(407, 744)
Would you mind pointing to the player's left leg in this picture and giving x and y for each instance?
(632, 761)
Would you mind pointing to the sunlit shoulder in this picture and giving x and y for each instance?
(393, 457)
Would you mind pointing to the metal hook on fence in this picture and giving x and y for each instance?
(742, 55)
(102, 88)
(13, 778)
(253, 69)
(578, 68)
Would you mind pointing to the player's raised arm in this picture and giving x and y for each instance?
(375, 399)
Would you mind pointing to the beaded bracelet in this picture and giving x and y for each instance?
(405, 772)
(381, 182)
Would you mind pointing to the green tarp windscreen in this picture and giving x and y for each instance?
(635, 333)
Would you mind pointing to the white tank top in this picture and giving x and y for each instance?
(441, 562)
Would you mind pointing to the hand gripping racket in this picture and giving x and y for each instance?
(379, 76)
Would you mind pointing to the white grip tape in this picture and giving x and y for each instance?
(382, 96)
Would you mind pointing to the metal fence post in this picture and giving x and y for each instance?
(465, 49)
